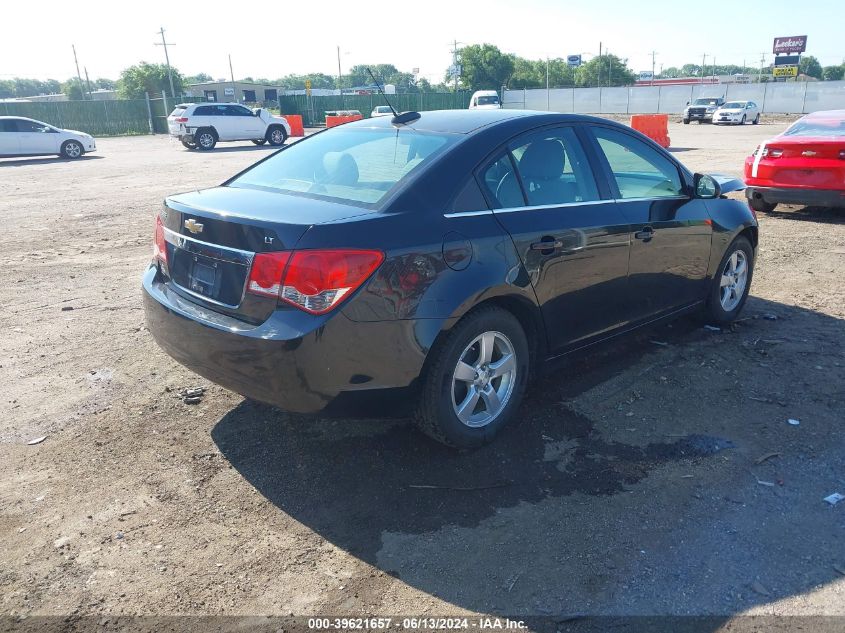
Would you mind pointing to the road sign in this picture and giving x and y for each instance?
(785, 71)
(791, 44)
(787, 60)
(455, 70)
(573, 60)
(308, 84)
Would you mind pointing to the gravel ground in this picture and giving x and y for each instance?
(657, 475)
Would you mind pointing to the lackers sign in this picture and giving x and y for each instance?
(793, 44)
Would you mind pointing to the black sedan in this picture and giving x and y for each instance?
(441, 256)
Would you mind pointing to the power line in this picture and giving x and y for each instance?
(165, 43)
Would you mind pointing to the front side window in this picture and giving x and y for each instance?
(347, 165)
(33, 126)
(639, 171)
(238, 111)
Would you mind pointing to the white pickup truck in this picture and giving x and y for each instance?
(202, 125)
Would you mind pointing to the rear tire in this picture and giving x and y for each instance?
(188, 144)
(205, 139)
(730, 285)
(760, 205)
(756, 119)
(686, 121)
(476, 378)
(743, 120)
(276, 135)
(72, 150)
(259, 141)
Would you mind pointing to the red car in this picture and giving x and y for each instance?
(804, 165)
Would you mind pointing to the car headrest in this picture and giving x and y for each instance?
(542, 160)
(341, 169)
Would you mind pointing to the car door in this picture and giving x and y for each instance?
(753, 111)
(36, 138)
(572, 240)
(222, 122)
(9, 144)
(245, 125)
(671, 231)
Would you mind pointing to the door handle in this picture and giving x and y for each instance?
(546, 245)
(646, 234)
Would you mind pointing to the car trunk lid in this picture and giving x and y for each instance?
(213, 236)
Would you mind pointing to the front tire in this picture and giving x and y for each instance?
(72, 149)
(743, 120)
(686, 121)
(205, 139)
(276, 135)
(729, 289)
(475, 382)
(259, 141)
(761, 206)
(756, 119)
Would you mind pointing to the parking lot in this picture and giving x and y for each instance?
(658, 475)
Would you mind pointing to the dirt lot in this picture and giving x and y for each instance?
(654, 476)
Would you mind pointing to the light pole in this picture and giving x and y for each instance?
(165, 44)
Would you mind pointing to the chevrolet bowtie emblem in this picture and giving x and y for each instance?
(809, 152)
(193, 226)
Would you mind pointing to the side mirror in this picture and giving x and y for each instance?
(706, 187)
(256, 112)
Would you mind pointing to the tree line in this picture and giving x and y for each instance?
(483, 66)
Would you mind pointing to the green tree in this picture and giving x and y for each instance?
(810, 66)
(198, 78)
(7, 88)
(609, 69)
(105, 84)
(297, 82)
(833, 73)
(484, 67)
(152, 78)
(74, 89)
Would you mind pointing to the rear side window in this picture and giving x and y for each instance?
(639, 171)
(204, 111)
(502, 185)
(347, 165)
(178, 111)
(8, 125)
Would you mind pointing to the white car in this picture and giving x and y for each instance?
(739, 112)
(20, 136)
(381, 111)
(485, 100)
(202, 125)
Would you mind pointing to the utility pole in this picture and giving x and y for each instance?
(87, 82)
(232, 76)
(78, 74)
(456, 74)
(653, 55)
(599, 78)
(167, 59)
(609, 68)
(762, 61)
(703, 62)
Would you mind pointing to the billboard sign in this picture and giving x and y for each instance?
(646, 75)
(787, 60)
(573, 60)
(791, 44)
(229, 92)
(785, 71)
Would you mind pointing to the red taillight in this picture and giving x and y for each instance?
(181, 119)
(842, 154)
(159, 245)
(265, 276)
(315, 280)
(772, 152)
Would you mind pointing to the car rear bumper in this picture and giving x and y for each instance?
(295, 361)
(797, 195)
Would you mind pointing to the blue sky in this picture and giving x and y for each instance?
(268, 38)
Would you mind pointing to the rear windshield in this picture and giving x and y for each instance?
(816, 128)
(491, 100)
(178, 110)
(358, 166)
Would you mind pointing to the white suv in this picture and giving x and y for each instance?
(202, 125)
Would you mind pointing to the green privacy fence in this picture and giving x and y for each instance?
(313, 109)
(99, 118)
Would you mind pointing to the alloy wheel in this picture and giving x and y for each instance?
(483, 379)
(73, 150)
(734, 280)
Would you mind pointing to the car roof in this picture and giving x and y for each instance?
(469, 121)
(826, 115)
